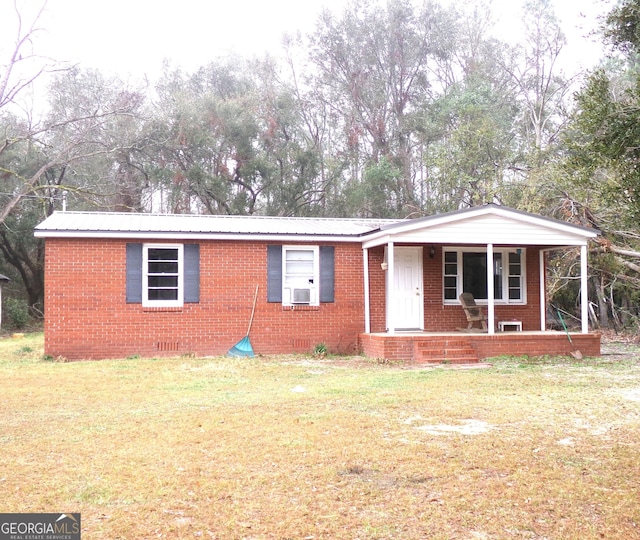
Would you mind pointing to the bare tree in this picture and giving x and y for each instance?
(38, 152)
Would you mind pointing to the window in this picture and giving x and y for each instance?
(300, 275)
(162, 275)
(515, 281)
(465, 270)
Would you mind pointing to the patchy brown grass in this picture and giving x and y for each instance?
(295, 448)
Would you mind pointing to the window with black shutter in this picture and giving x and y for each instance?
(300, 275)
(162, 275)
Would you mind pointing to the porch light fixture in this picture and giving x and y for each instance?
(432, 251)
(384, 266)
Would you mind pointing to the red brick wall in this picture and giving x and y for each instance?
(377, 300)
(87, 316)
(439, 317)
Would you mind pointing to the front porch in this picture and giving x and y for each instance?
(416, 271)
(472, 347)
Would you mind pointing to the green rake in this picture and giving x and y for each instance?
(243, 348)
(577, 354)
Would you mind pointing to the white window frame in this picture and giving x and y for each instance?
(291, 281)
(505, 274)
(179, 302)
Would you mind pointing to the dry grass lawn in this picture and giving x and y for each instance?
(298, 448)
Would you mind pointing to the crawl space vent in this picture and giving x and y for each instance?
(164, 346)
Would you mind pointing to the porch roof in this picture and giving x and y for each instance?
(488, 224)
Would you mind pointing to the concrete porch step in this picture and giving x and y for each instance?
(450, 351)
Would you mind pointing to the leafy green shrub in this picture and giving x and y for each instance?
(17, 312)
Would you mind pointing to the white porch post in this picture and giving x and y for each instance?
(584, 292)
(491, 312)
(543, 294)
(391, 310)
(365, 269)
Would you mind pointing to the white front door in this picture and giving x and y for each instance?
(405, 298)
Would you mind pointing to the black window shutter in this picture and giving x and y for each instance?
(327, 274)
(134, 273)
(274, 273)
(191, 273)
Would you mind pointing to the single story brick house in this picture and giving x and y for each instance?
(124, 284)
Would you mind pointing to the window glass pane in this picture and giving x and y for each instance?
(450, 288)
(451, 257)
(163, 294)
(515, 288)
(497, 276)
(163, 254)
(474, 274)
(450, 269)
(450, 282)
(163, 267)
(299, 267)
(450, 294)
(163, 281)
(514, 264)
(299, 262)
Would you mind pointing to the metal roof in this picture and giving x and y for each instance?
(115, 224)
(478, 225)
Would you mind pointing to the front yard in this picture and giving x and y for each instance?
(299, 448)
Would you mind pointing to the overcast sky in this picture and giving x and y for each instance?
(133, 37)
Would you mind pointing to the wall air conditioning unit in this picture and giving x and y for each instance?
(301, 296)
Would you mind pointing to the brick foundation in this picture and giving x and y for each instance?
(404, 347)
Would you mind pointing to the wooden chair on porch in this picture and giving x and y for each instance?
(472, 311)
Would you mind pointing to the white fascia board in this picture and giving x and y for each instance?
(379, 240)
(549, 245)
(177, 236)
(548, 223)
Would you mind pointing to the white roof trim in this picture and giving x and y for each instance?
(292, 238)
(171, 226)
